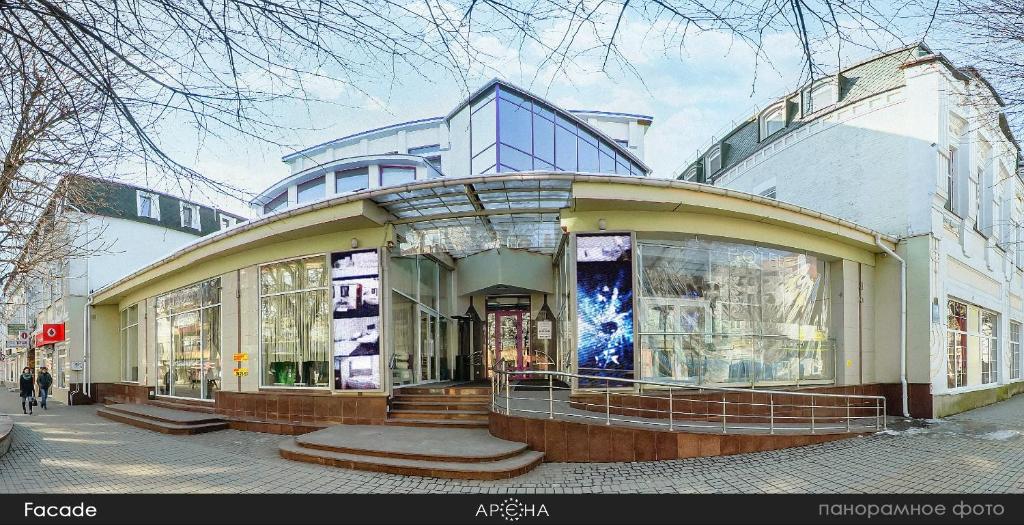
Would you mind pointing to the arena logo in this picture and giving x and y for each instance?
(512, 510)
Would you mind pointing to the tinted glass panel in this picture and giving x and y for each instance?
(588, 157)
(351, 180)
(515, 159)
(311, 190)
(277, 203)
(565, 149)
(483, 127)
(607, 163)
(392, 175)
(423, 150)
(543, 139)
(514, 125)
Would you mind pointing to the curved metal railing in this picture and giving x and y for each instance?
(674, 406)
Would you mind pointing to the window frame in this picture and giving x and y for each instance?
(715, 154)
(195, 221)
(766, 117)
(822, 85)
(327, 287)
(349, 174)
(380, 174)
(126, 326)
(952, 180)
(283, 205)
(1014, 339)
(154, 204)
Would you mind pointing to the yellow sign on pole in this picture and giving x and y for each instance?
(242, 371)
(241, 357)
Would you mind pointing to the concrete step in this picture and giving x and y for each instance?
(485, 470)
(431, 398)
(437, 423)
(158, 425)
(448, 390)
(166, 415)
(204, 408)
(400, 404)
(477, 415)
(457, 445)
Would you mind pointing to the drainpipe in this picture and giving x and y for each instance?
(903, 321)
(87, 349)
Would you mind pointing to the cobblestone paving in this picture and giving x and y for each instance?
(70, 449)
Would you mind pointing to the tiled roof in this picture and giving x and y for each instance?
(864, 79)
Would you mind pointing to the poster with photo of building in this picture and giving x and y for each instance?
(355, 305)
(604, 305)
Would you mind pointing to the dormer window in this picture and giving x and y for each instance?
(227, 221)
(821, 96)
(713, 160)
(189, 215)
(773, 120)
(148, 204)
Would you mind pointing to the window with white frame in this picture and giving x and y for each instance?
(147, 204)
(1015, 356)
(130, 343)
(979, 205)
(713, 161)
(773, 120)
(190, 215)
(227, 221)
(989, 339)
(951, 179)
(821, 96)
(956, 345)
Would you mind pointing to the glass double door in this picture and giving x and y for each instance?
(419, 345)
(509, 339)
(189, 360)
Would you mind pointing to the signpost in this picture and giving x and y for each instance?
(17, 335)
(240, 371)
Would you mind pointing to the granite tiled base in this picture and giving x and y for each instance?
(568, 441)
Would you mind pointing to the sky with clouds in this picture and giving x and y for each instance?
(694, 92)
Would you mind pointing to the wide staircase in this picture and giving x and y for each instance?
(450, 406)
(162, 419)
(454, 453)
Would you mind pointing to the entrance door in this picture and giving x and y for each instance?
(428, 347)
(509, 340)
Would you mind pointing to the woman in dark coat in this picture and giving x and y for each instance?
(28, 389)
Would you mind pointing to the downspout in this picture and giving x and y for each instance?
(87, 349)
(903, 321)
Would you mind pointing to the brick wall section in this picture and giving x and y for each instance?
(304, 409)
(565, 441)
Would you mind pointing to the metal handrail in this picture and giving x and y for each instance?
(859, 413)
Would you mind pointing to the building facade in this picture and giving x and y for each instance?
(528, 238)
(121, 228)
(910, 145)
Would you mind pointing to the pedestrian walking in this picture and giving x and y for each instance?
(45, 380)
(28, 398)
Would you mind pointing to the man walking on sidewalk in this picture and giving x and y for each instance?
(44, 380)
(28, 390)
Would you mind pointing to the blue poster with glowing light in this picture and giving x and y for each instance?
(604, 306)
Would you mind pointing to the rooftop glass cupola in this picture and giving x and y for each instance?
(511, 131)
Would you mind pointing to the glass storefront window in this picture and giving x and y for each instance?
(716, 312)
(294, 323)
(188, 341)
(130, 343)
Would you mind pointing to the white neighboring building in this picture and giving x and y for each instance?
(910, 145)
(128, 227)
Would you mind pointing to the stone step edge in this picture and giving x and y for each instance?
(205, 420)
(412, 455)
(438, 423)
(159, 426)
(490, 470)
(181, 406)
